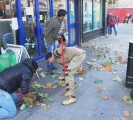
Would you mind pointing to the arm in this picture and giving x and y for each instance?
(25, 82)
(4, 45)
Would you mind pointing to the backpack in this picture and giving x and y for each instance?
(113, 19)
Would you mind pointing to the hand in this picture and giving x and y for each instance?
(30, 95)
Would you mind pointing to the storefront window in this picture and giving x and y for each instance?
(97, 15)
(87, 15)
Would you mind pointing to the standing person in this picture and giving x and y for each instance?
(11, 79)
(108, 25)
(117, 20)
(73, 57)
(51, 34)
(112, 23)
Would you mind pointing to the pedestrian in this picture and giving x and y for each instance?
(108, 25)
(51, 34)
(112, 23)
(117, 20)
(11, 79)
(73, 57)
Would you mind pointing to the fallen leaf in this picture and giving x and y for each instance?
(48, 85)
(43, 74)
(60, 78)
(98, 81)
(45, 106)
(50, 99)
(109, 68)
(53, 76)
(100, 89)
(118, 79)
(119, 58)
(105, 97)
(80, 70)
(127, 99)
(81, 78)
(39, 69)
(126, 113)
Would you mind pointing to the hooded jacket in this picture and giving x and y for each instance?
(17, 76)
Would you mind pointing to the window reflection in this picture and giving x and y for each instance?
(87, 15)
(97, 19)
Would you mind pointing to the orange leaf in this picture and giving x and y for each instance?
(109, 68)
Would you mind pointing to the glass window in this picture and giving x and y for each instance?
(97, 14)
(87, 15)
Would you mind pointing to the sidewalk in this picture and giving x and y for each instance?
(90, 105)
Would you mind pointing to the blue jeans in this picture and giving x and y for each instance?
(7, 105)
(108, 29)
(113, 26)
(15, 98)
(50, 48)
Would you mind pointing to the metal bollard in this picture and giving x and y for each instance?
(129, 74)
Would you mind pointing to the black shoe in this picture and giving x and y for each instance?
(54, 68)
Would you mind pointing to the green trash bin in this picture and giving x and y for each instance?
(7, 59)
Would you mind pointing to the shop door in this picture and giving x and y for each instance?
(72, 22)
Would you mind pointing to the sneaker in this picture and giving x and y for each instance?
(69, 101)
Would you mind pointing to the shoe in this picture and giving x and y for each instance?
(69, 101)
(54, 68)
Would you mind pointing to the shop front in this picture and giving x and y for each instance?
(85, 20)
(93, 18)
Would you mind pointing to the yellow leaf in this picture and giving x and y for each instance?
(48, 85)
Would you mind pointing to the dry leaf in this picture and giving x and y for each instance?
(60, 78)
(100, 89)
(45, 106)
(48, 85)
(39, 69)
(126, 98)
(81, 78)
(109, 68)
(120, 58)
(54, 86)
(126, 113)
(118, 79)
(106, 50)
(42, 74)
(105, 97)
(80, 70)
(124, 62)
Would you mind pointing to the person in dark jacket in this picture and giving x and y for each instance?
(11, 79)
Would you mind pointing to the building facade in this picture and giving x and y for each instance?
(85, 20)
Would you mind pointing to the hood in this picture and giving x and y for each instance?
(28, 63)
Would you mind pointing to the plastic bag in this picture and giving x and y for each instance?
(7, 59)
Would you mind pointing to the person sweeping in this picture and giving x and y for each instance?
(70, 58)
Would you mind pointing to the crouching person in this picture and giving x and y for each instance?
(73, 58)
(11, 79)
